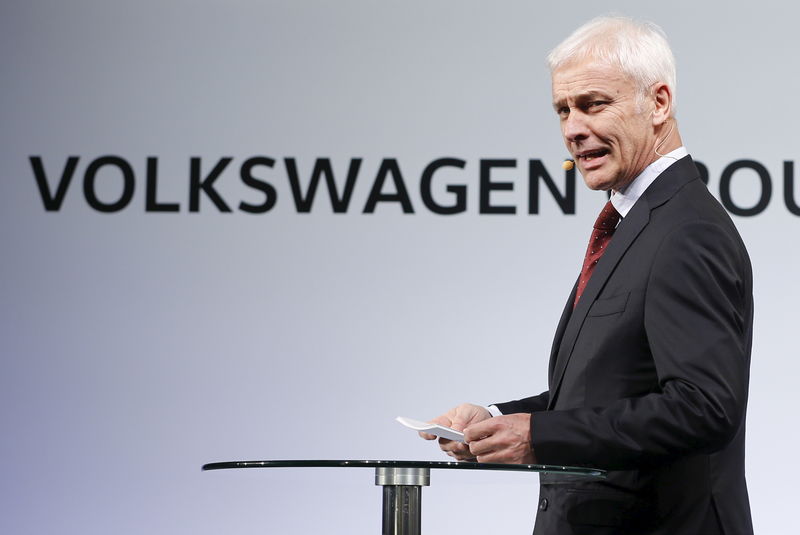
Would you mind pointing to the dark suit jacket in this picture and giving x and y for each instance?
(649, 376)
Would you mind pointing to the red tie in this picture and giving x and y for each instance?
(604, 229)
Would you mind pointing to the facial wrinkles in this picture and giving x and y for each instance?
(619, 126)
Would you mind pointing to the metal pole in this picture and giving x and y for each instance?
(402, 498)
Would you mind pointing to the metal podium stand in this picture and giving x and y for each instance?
(402, 482)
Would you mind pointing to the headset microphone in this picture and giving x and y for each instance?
(568, 164)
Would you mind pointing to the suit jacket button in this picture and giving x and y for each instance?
(543, 503)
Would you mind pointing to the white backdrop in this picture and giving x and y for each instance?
(138, 345)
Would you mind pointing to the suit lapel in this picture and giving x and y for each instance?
(666, 185)
(624, 236)
(566, 314)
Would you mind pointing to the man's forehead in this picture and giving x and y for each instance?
(588, 77)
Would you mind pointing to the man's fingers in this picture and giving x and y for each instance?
(480, 430)
(482, 447)
(460, 454)
(503, 440)
(455, 449)
(451, 445)
(491, 457)
(442, 420)
(458, 418)
(458, 425)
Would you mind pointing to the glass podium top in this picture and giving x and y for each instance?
(452, 465)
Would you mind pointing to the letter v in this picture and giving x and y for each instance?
(52, 203)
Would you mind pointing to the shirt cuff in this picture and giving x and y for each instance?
(494, 411)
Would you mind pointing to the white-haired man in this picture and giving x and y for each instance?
(649, 368)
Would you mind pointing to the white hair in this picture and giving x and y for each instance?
(638, 48)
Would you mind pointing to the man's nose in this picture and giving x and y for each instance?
(575, 127)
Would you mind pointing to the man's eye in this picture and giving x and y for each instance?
(597, 103)
(563, 111)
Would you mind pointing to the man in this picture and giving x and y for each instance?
(649, 368)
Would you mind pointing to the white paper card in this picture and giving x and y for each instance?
(433, 429)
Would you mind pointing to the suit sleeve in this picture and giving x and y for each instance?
(698, 323)
(531, 404)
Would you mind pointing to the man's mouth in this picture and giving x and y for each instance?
(590, 155)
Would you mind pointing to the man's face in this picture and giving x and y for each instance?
(605, 128)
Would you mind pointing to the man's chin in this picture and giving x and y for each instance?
(597, 182)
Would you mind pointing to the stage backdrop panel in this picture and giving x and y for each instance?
(262, 230)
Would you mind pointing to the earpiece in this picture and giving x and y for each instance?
(669, 132)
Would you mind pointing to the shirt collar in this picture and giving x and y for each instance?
(624, 200)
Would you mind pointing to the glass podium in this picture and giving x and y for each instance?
(402, 482)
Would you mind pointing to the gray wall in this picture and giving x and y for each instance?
(137, 345)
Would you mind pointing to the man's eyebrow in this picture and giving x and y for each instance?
(592, 95)
(582, 97)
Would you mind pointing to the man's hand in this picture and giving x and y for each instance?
(502, 439)
(458, 418)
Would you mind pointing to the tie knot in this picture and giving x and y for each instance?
(608, 218)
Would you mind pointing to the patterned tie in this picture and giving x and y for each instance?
(604, 229)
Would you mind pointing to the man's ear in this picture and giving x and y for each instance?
(662, 100)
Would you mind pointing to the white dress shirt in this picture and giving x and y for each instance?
(624, 200)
